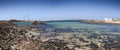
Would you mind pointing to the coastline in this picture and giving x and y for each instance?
(31, 38)
(101, 22)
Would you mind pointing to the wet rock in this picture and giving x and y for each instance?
(55, 44)
(93, 46)
(5, 48)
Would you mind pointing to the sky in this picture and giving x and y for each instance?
(59, 9)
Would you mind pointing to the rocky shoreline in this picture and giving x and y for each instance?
(13, 37)
(17, 38)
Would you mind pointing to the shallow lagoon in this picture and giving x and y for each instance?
(72, 32)
(74, 25)
(85, 26)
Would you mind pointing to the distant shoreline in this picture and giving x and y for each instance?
(102, 22)
(85, 21)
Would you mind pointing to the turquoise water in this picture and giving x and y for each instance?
(72, 25)
(85, 26)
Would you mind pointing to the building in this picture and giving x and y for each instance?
(114, 19)
(107, 18)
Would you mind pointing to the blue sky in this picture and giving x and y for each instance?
(59, 9)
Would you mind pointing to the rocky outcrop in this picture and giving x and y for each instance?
(16, 38)
(13, 37)
(55, 44)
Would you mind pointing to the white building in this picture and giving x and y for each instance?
(108, 19)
